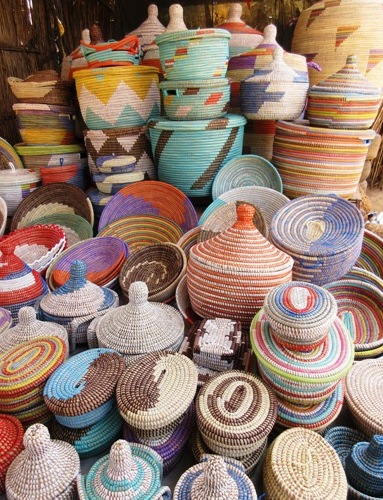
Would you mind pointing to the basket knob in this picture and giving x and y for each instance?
(269, 34)
(352, 60)
(27, 315)
(121, 464)
(176, 19)
(214, 483)
(36, 439)
(235, 13)
(77, 274)
(245, 215)
(7, 249)
(153, 10)
(138, 293)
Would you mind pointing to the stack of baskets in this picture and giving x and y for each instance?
(46, 118)
(197, 137)
(304, 352)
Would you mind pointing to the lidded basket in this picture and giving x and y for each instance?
(150, 28)
(230, 274)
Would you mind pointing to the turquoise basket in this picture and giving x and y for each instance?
(188, 154)
(194, 54)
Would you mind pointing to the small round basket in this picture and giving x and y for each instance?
(75, 174)
(112, 183)
(160, 266)
(36, 156)
(16, 185)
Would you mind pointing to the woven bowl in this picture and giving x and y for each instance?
(9, 155)
(160, 266)
(371, 255)
(75, 174)
(50, 90)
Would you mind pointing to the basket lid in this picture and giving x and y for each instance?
(177, 36)
(141, 326)
(226, 122)
(134, 470)
(75, 388)
(156, 390)
(235, 25)
(55, 463)
(150, 28)
(200, 84)
(29, 328)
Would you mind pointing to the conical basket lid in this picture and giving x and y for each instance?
(150, 28)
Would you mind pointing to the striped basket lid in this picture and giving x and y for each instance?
(54, 462)
(140, 327)
(364, 396)
(237, 257)
(77, 297)
(150, 28)
(215, 478)
(11, 438)
(300, 314)
(30, 328)
(242, 429)
(329, 362)
(19, 375)
(167, 382)
(75, 388)
(296, 463)
(128, 470)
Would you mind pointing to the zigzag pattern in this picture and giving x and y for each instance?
(374, 58)
(343, 32)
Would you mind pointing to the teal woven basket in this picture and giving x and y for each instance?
(188, 154)
(194, 54)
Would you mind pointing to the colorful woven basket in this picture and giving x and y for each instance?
(323, 234)
(8, 155)
(129, 469)
(345, 99)
(188, 154)
(34, 157)
(116, 164)
(140, 326)
(160, 266)
(151, 198)
(56, 463)
(364, 466)
(117, 96)
(246, 170)
(195, 99)
(188, 239)
(240, 257)
(75, 173)
(318, 160)
(52, 199)
(235, 413)
(371, 255)
(112, 183)
(132, 141)
(296, 463)
(11, 437)
(124, 52)
(194, 54)
(274, 92)
(16, 185)
(150, 28)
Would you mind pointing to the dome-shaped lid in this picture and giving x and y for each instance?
(78, 296)
(214, 479)
(29, 328)
(11, 439)
(141, 326)
(53, 464)
(241, 249)
(130, 471)
(234, 23)
(150, 28)
(156, 390)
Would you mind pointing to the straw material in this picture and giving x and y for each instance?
(112, 183)
(11, 437)
(219, 268)
(196, 99)
(141, 230)
(129, 470)
(30, 328)
(301, 464)
(323, 234)
(364, 397)
(214, 479)
(8, 155)
(16, 185)
(156, 390)
(314, 160)
(371, 255)
(183, 301)
(117, 96)
(52, 199)
(160, 266)
(140, 326)
(246, 170)
(151, 198)
(116, 164)
(188, 154)
(194, 54)
(150, 28)
(56, 464)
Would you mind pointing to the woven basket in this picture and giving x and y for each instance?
(116, 164)
(160, 266)
(35, 157)
(52, 199)
(188, 239)
(196, 99)
(124, 52)
(274, 92)
(8, 156)
(258, 138)
(75, 174)
(140, 326)
(364, 466)
(56, 463)
(150, 28)
(194, 54)
(11, 436)
(120, 96)
(323, 234)
(151, 198)
(16, 185)
(371, 255)
(132, 141)
(328, 32)
(219, 268)
(229, 416)
(296, 463)
(112, 183)
(246, 170)
(188, 154)
(49, 90)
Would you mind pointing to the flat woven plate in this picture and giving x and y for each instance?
(52, 198)
(141, 230)
(246, 170)
(150, 198)
(371, 256)
(8, 155)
